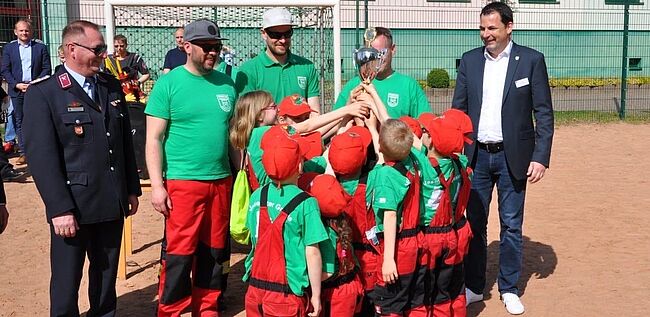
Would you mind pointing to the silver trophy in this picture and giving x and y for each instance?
(368, 60)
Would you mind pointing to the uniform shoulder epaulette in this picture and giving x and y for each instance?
(39, 41)
(14, 41)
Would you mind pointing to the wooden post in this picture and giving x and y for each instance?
(121, 264)
(126, 248)
(127, 236)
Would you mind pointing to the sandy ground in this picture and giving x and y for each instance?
(586, 250)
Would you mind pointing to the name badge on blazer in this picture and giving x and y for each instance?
(522, 82)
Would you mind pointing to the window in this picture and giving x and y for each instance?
(634, 64)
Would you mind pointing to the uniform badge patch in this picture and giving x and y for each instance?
(64, 81)
(302, 82)
(75, 107)
(79, 130)
(393, 99)
(224, 102)
(115, 102)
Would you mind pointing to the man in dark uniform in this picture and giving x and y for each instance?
(80, 153)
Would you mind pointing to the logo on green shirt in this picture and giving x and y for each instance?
(302, 82)
(393, 99)
(224, 102)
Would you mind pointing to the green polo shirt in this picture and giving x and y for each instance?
(303, 227)
(386, 190)
(197, 110)
(297, 76)
(401, 94)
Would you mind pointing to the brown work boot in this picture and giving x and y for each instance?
(21, 160)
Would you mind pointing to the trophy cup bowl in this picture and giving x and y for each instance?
(368, 61)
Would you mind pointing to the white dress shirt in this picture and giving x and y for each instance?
(85, 82)
(494, 78)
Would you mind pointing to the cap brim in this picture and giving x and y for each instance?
(277, 24)
(206, 39)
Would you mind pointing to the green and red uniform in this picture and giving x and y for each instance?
(395, 188)
(342, 293)
(441, 240)
(282, 222)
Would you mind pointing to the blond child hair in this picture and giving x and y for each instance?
(248, 113)
(395, 140)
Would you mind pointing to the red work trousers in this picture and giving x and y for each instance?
(263, 303)
(197, 247)
(342, 300)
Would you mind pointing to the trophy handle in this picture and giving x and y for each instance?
(369, 35)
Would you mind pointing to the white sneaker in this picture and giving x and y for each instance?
(513, 303)
(471, 297)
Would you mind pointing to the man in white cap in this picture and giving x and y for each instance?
(277, 70)
(187, 156)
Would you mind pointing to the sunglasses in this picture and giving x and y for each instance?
(279, 35)
(97, 50)
(207, 47)
(270, 107)
(119, 45)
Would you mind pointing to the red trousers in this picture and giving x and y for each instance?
(197, 247)
(343, 300)
(263, 303)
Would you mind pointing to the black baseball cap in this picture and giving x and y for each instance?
(202, 29)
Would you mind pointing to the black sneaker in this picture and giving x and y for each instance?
(12, 175)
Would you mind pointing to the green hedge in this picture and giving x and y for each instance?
(596, 82)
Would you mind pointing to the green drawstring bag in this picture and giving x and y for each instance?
(241, 193)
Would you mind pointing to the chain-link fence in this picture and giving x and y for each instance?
(581, 39)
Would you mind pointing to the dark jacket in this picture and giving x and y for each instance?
(80, 153)
(12, 69)
(523, 142)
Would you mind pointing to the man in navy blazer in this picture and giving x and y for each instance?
(502, 86)
(23, 60)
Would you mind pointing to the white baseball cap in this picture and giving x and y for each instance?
(276, 16)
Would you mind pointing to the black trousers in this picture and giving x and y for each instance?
(101, 242)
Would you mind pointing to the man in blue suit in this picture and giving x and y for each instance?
(502, 86)
(23, 61)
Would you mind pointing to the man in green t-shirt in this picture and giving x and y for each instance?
(401, 94)
(187, 156)
(276, 69)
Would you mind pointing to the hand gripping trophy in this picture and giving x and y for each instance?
(368, 61)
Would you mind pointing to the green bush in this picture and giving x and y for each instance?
(438, 78)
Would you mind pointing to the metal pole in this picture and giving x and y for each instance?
(365, 12)
(626, 26)
(46, 26)
(356, 28)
